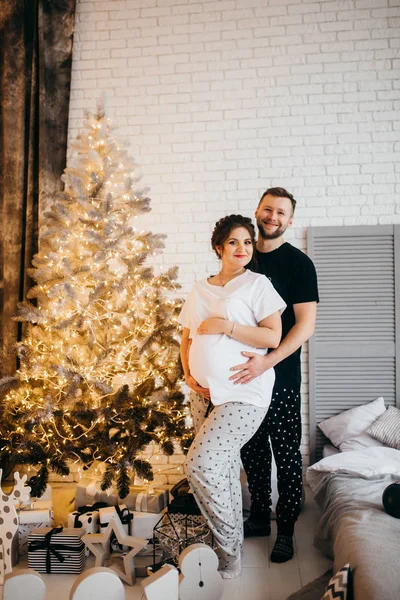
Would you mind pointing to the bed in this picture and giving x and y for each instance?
(348, 487)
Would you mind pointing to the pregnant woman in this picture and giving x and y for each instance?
(228, 313)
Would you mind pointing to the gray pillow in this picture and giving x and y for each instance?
(386, 428)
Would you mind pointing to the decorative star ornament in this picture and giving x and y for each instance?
(100, 545)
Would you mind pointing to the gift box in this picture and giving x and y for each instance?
(140, 498)
(30, 520)
(143, 524)
(124, 515)
(87, 518)
(56, 550)
(144, 500)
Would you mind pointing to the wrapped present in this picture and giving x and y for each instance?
(40, 504)
(124, 515)
(143, 524)
(35, 505)
(30, 520)
(86, 517)
(88, 491)
(144, 500)
(56, 550)
(140, 498)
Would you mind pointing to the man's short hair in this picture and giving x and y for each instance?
(281, 193)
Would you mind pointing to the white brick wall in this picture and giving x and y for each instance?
(224, 98)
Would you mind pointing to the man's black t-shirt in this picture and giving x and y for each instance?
(293, 275)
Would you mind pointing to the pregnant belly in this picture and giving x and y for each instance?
(212, 356)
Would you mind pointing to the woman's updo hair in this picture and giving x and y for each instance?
(224, 227)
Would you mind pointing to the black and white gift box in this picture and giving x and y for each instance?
(28, 520)
(56, 550)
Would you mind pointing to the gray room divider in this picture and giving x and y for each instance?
(354, 354)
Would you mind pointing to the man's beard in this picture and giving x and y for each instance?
(270, 236)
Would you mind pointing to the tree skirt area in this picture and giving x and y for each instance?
(58, 587)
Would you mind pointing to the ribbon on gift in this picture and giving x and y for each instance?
(52, 548)
(125, 516)
(141, 502)
(82, 510)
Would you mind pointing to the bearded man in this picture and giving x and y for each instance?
(293, 275)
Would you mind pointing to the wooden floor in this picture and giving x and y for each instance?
(260, 579)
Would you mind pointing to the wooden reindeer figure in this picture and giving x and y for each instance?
(8, 517)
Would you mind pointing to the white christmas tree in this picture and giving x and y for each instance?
(99, 375)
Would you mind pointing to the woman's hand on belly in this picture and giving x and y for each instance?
(196, 387)
(213, 326)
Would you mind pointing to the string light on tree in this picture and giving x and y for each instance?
(99, 375)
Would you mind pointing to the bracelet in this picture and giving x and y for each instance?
(232, 330)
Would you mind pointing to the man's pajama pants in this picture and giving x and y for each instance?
(213, 469)
(281, 427)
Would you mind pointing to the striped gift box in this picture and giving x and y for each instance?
(56, 550)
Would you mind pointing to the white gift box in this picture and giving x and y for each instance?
(40, 504)
(143, 524)
(89, 522)
(36, 515)
(121, 513)
(35, 505)
(30, 520)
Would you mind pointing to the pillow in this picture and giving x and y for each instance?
(386, 428)
(353, 422)
(360, 442)
(340, 585)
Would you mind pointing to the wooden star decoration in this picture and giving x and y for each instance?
(100, 545)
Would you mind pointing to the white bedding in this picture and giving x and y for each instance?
(328, 450)
(365, 463)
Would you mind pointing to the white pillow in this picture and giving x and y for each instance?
(353, 422)
(360, 442)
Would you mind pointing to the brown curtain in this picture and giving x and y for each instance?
(35, 74)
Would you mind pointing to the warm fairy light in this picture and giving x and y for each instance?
(100, 324)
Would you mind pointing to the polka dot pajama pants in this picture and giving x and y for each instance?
(213, 471)
(282, 429)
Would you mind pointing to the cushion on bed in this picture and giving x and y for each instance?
(386, 428)
(353, 422)
(339, 587)
(360, 442)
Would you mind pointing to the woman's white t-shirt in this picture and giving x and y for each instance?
(247, 300)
